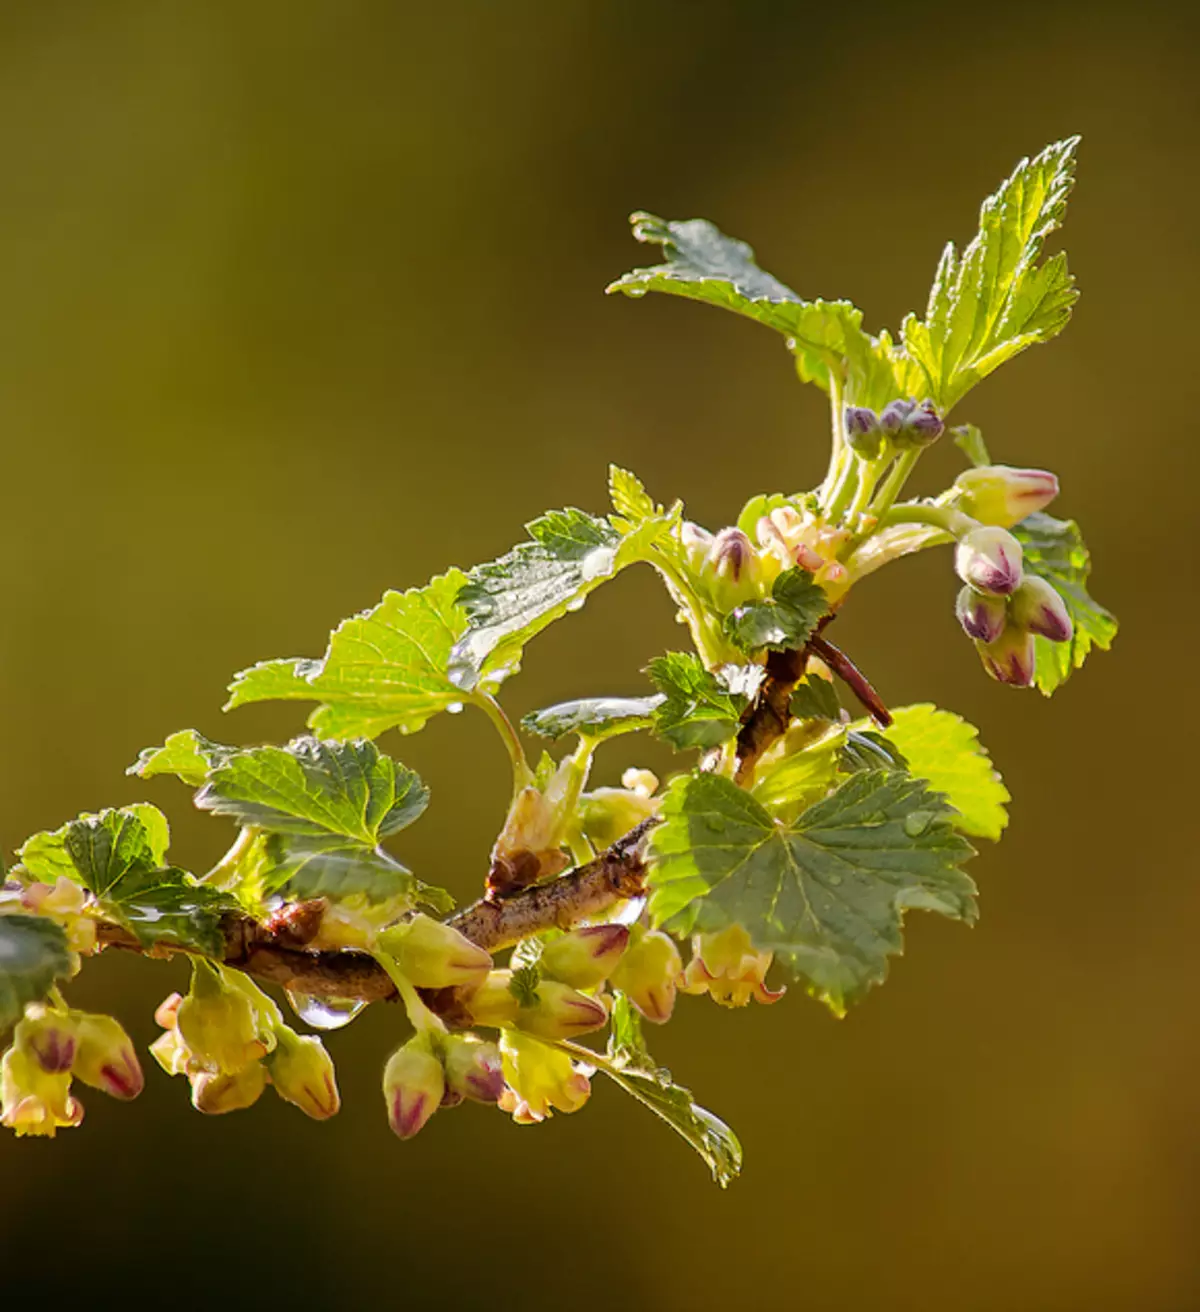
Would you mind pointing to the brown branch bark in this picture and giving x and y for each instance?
(275, 951)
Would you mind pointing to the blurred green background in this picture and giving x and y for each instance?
(302, 301)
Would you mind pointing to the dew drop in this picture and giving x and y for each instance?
(635, 292)
(575, 605)
(454, 708)
(835, 879)
(917, 823)
(324, 1013)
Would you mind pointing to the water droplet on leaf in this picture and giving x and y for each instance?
(324, 1013)
(454, 708)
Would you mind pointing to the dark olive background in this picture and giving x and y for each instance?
(302, 301)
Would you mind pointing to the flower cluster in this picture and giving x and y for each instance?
(901, 424)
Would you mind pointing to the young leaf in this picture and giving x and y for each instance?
(629, 497)
(187, 754)
(1055, 551)
(698, 709)
(827, 892)
(757, 507)
(512, 599)
(943, 749)
(383, 669)
(789, 782)
(996, 300)
(815, 698)
(597, 717)
(969, 441)
(332, 867)
(867, 749)
(33, 955)
(784, 621)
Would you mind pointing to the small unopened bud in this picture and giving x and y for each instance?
(1037, 606)
(584, 958)
(696, 542)
(1003, 496)
(49, 1038)
(733, 557)
(982, 616)
(647, 974)
(606, 814)
(924, 425)
(413, 1086)
(540, 1079)
(435, 956)
(895, 416)
(642, 782)
(33, 1101)
(166, 1013)
(473, 1068)
(214, 1093)
(104, 1057)
(493, 1003)
(1012, 658)
(990, 560)
(727, 967)
(217, 1022)
(302, 1073)
(863, 434)
(561, 1012)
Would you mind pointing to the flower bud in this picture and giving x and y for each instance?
(413, 1086)
(1012, 658)
(473, 1068)
(981, 616)
(736, 568)
(606, 814)
(642, 782)
(990, 560)
(585, 957)
(539, 1078)
(863, 434)
(924, 425)
(696, 542)
(215, 1093)
(493, 1003)
(302, 1073)
(33, 1101)
(895, 416)
(217, 1022)
(435, 956)
(726, 966)
(561, 1012)
(647, 974)
(104, 1057)
(1037, 606)
(65, 903)
(1003, 496)
(166, 1013)
(48, 1037)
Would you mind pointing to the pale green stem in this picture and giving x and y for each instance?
(947, 518)
(845, 486)
(870, 474)
(838, 443)
(228, 864)
(419, 1014)
(895, 481)
(522, 774)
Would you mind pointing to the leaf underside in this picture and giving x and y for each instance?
(33, 956)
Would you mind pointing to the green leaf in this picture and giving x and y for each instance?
(788, 782)
(943, 749)
(307, 867)
(630, 499)
(969, 441)
(596, 717)
(186, 754)
(626, 1042)
(33, 956)
(1055, 551)
(383, 669)
(996, 300)
(698, 709)
(815, 698)
(867, 749)
(118, 856)
(784, 621)
(825, 893)
(757, 507)
(512, 599)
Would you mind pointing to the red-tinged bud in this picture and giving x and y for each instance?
(413, 1086)
(924, 425)
(561, 1012)
(49, 1038)
(982, 617)
(733, 558)
(1003, 496)
(863, 434)
(895, 416)
(218, 1023)
(104, 1057)
(167, 1012)
(540, 1079)
(648, 972)
(33, 1101)
(726, 966)
(584, 958)
(493, 1003)
(1012, 658)
(472, 1068)
(65, 903)
(1037, 606)
(214, 1093)
(990, 560)
(302, 1073)
(435, 956)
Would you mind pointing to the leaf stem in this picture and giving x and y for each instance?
(227, 866)
(522, 774)
(419, 1014)
(895, 481)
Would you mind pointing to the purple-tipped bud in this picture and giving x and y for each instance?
(982, 617)
(990, 560)
(732, 555)
(48, 1037)
(473, 1068)
(1012, 658)
(435, 956)
(863, 434)
(413, 1087)
(561, 1012)
(584, 958)
(924, 425)
(302, 1073)
(648, 974)
(104, 1057)
(216, 1094)
(895, 416)
(1003, 496)
(1037, 606)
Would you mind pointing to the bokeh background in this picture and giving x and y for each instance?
(301, 301)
